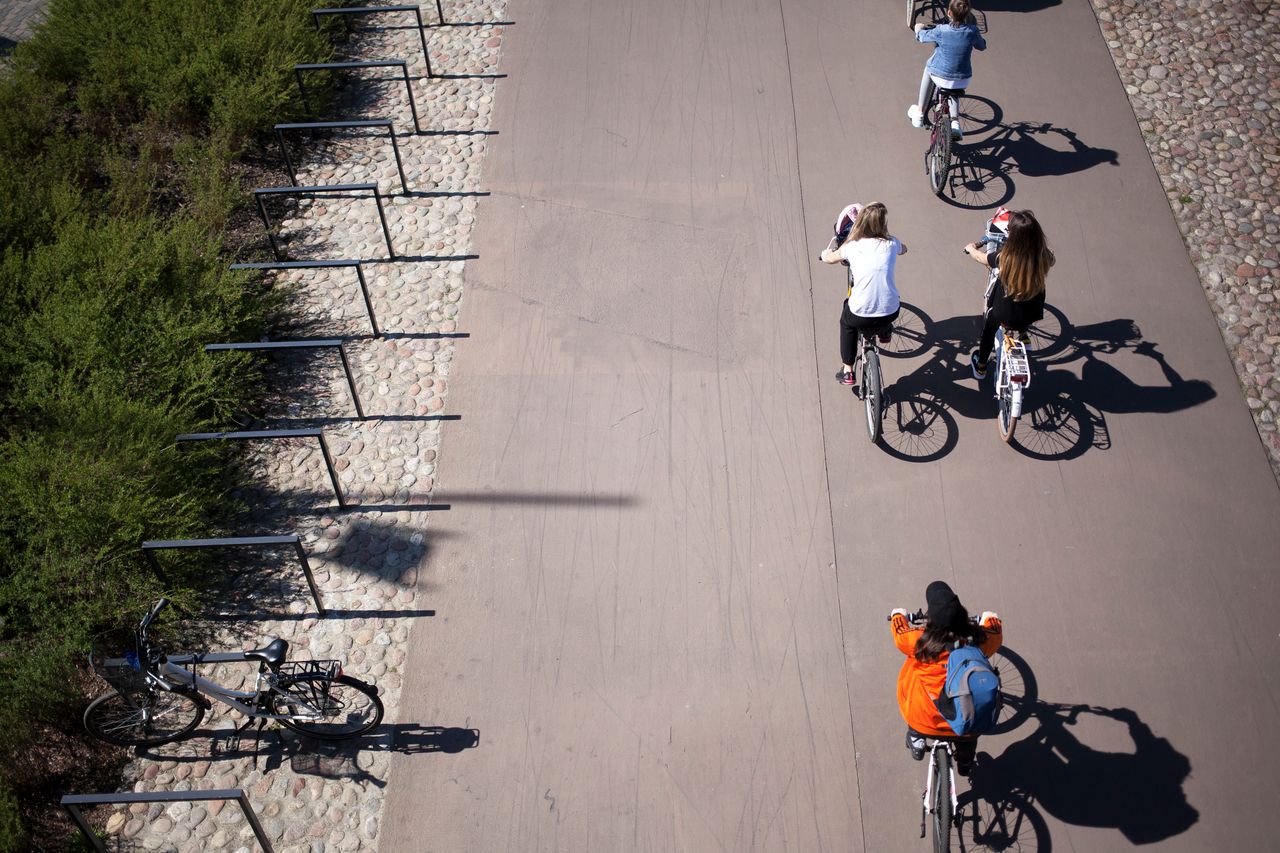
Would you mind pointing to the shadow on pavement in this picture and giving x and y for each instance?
(1064, 415)
(1137, 792)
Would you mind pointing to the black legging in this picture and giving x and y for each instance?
(987, 342)
(851, 324)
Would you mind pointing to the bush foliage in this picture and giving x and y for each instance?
(121, 124)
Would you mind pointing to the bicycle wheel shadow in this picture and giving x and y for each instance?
(1138, 792)
(982, 175)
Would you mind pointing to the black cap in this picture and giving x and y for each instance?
(944, 605)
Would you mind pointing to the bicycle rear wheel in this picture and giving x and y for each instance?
(872, 394)
(1007, 419)
(142, 718)
(942, 802)
(939, 159)
(347, 707)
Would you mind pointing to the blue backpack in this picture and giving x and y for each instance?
(970, 700)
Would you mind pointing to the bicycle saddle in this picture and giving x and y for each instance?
(272, 654)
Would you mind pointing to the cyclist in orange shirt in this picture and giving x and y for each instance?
(947, 625)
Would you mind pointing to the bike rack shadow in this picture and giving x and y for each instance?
(982, 175)
(1138, 793)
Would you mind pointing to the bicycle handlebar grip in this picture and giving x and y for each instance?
(155, 611)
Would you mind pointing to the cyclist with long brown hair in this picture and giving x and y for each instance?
(1020, 266)
(924, 673)
(872, 301)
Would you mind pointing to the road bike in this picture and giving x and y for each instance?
(159, 698)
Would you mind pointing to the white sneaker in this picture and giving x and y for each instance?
(956, 132)
(917, 118)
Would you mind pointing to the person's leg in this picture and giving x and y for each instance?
(848, 338)
(987, 342)
(915, 744)
(926, 93)
(886, 330)
(966, 751)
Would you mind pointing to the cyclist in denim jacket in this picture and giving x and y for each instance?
(949, 67)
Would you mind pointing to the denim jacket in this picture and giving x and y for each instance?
(950, 58)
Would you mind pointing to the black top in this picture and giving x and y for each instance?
(1017, 315)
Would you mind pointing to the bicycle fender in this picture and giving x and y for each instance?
(373, 688)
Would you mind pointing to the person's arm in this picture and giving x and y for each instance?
(976, 253)
(902, 247)
(904, 634)
(991, 623)
(925, 33)
(831, 256)
(979, 42)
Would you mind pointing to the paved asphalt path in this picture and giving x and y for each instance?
(661, 590)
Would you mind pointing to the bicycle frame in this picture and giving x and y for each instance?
(175, 676)
(931, 779)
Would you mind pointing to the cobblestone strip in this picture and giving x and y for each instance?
(328, 797)
(1204, 81)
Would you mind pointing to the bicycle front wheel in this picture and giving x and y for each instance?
(328, 710)
(942, 803)
(1007, 419)
(872, 394)
(142, 718)
(939, 153)
(911, 14)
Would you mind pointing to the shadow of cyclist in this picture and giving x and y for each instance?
(1035, 151)
(1138, 793)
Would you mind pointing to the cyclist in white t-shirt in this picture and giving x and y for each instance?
(872, 304)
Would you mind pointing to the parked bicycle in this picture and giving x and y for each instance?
(158, 697)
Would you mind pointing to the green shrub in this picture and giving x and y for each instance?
(120, 126)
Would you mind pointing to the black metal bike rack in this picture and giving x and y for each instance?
(271, 435)
(330, 343)
(73, 802)
(321, 265)
(339, 125)
(291, 540)
(371, 63)
(379, 10)
(334, 188)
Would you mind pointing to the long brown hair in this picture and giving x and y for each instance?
(1026, 258)
(938, 640)
(872, 221)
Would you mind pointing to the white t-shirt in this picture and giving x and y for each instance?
(871, 262)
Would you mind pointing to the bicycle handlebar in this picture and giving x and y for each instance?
(150, 617)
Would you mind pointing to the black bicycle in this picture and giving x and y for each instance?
(158, 698)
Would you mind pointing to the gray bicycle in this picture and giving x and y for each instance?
(159, 698)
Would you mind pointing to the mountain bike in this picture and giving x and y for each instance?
(159, 698)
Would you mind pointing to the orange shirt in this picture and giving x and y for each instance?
(920, 683)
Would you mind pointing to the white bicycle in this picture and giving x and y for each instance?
(1013, 366)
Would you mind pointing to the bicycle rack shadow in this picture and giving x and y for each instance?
(1138, 793)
